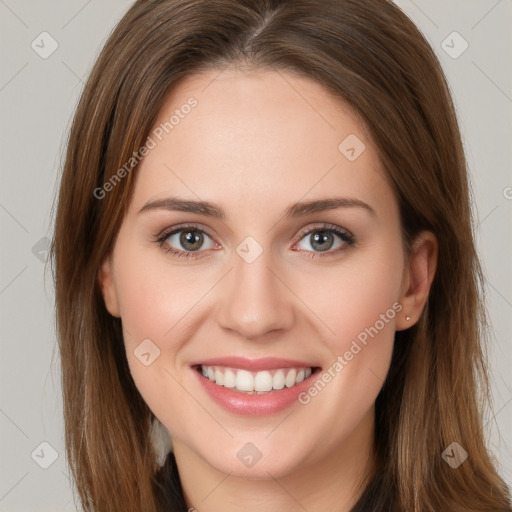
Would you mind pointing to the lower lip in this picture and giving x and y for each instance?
(255, 405)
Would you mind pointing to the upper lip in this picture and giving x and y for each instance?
(242, 363)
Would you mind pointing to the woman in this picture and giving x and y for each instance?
(263, 243)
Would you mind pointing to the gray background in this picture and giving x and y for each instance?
(37, 99)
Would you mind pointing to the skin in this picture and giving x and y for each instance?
(257, 142)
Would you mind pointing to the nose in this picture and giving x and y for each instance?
(255, 299)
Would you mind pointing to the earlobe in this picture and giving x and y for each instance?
(418, 277)
(107, 286)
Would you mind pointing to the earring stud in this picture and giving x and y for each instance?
(407, 318)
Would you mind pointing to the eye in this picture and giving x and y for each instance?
(184, 241)
(324, 238)
(187, 241)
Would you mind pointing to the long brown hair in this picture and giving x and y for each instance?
(367, 53)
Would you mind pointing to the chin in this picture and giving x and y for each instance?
(256, 461)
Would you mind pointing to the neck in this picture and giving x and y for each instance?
(334, 482)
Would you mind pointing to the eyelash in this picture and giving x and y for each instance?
(345, 236)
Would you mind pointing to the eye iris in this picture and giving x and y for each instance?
(191, 240)
(319, 240)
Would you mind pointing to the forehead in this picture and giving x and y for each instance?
(256, 136)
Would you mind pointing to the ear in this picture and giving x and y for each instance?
(108, 289)
(418, 276)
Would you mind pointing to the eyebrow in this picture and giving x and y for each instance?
(295, 210)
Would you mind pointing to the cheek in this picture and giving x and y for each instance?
(155, 298)
(359, 298)
(158, 302)
(154, 311)
(359, 304)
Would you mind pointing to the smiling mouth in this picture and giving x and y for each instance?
(256, 383)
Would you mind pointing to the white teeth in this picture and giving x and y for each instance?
(278, 381)
(244, 381)
(263, 381)
(291, 378)
(229, 379)
(219, 377)
(255, 382)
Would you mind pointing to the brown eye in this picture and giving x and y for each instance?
(191, 240)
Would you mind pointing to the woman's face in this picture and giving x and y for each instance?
(270, 281)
